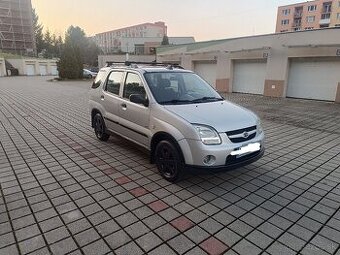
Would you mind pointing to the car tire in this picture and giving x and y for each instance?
(168, 161)
(100, 128)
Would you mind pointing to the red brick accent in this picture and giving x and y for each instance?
(222, 85)
(337, 96)
(158, 206)
(109, 171)
(137, 192)
(99, 163)
(182, 223)
(213, 246)
(122, 180)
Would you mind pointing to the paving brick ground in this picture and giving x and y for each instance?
(64, 192)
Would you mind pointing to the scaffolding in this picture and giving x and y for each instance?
(16, 29)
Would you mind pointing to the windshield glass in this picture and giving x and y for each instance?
(180, 88)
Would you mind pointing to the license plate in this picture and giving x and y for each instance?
(253, 147)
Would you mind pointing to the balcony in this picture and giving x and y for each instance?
(298, 15)
(325, 19)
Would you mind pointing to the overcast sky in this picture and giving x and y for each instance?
(203, 19)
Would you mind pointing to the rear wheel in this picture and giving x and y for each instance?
(168, 160)
(99, 128)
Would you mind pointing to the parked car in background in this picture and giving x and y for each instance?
(176, 115)
(89, 74)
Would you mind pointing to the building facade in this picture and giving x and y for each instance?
(16, 29)
(304, 64)
(130, 39)
(308, 15)
(140, 39)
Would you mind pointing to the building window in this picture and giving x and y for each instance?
(286, 12)
(312, 8)
(285, 22)
(310, 19)
(338, 15)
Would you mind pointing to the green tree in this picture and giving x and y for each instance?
(165, 40)
(48, 53)
(71, 62)
(38, 32)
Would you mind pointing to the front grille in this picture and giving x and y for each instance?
(242, 135)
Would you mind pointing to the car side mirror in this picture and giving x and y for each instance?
(139, 99)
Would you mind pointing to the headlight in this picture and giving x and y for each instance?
(208, 135)
(259, 127)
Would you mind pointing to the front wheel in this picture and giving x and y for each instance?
(168, 161)
(99, 128)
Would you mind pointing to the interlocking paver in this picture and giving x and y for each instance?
(213, 246)
(59, 185)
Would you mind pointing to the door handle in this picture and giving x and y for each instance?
(123, 105)
(102, 97)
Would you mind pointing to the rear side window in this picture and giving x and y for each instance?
(114, 82)
(99, 79)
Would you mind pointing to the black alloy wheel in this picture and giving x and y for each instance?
(168, 160)
(99, 128)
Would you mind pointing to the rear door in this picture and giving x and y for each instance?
(110, 99)
(134, 118)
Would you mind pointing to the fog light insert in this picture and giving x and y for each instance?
(209, 160)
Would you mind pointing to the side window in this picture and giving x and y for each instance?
(113, 82)
(99, 79)
(133, 85)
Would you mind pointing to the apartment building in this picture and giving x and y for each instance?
(139, 39)
(16, 30)
(130, 39)
(308, 15)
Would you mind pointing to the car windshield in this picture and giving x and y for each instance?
(169, 88)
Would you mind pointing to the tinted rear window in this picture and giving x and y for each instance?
(99, 79)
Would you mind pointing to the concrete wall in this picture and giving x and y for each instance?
(2, 67)
(278, 49)
(21, 65)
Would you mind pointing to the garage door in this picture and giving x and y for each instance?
(249, 77)
(43, 69)
(30, 69)
(313, 79)
(54, 70)
(208, 71)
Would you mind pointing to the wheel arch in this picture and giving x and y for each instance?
(160, 136)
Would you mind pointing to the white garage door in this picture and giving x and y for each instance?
(208, 71)
(43, 69)
(54, 70)
(313, 79)
(30, 69)
(249, 77)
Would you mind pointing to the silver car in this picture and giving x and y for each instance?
(176, 115)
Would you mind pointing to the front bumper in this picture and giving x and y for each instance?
(231, 162)
(196, 151)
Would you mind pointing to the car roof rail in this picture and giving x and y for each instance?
(134, 64)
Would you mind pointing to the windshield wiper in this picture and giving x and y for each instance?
(203, 99)
(176, 101)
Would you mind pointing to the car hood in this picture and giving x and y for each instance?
(223, 116)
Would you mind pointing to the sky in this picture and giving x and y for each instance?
(203, 19)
